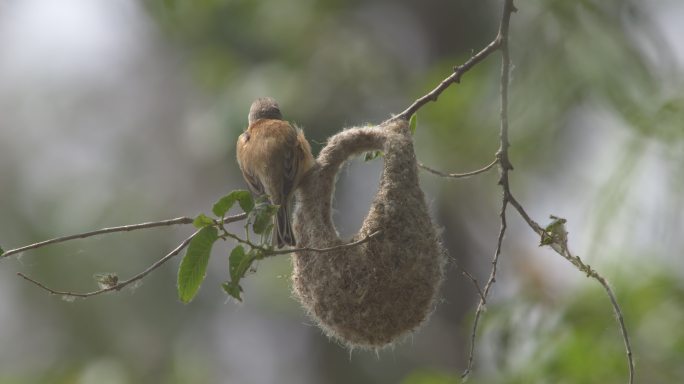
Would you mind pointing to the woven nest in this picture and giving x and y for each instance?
(375, 293)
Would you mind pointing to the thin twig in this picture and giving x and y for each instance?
(618, 313)
(475, 283)
(563, 250)
(243, 241)
(504, 166)
(123, 228)
(275, 252)
(490, 282)
(119, 286)
(323, 250)
(460, 175)
(453, 78)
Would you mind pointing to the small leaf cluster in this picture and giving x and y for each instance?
(555, 232)
(193, 267)
(106, 280)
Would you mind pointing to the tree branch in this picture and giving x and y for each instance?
(275, 252)
(473, 280)
(118, 286)
(123, 228)
(459, 70)
(504, 166)
(460, 175)
(323, 250)
(561, 247)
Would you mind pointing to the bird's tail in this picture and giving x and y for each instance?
(282, 228)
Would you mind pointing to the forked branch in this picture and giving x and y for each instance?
(117, 286)
(500, 43)
(124, 228)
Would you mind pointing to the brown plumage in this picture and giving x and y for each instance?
(274, 156)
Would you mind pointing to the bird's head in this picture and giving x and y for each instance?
(264, 108)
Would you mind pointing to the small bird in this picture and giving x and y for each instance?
(273, 157)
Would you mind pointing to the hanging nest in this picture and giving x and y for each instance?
(372, 294)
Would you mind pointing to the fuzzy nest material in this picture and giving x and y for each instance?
(372, 294)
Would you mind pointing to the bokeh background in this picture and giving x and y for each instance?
(120, 111)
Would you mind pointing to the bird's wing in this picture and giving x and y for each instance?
(290, 164)
(252, 180)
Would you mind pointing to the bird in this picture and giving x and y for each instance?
(274, 156)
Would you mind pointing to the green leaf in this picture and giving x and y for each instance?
(372, 155)
(202, 221)
(232, 289)
(557, 224)
(413, 122)
(246, 201)
(2, 251)
(193, 267)
(555, 232)
(263, 217)
(546, 240)
(238, 262)
(224, 204)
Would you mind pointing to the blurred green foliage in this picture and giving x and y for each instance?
(536, 342)
(580, 343)
(338, 63)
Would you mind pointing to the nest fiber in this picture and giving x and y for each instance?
(372, 294)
